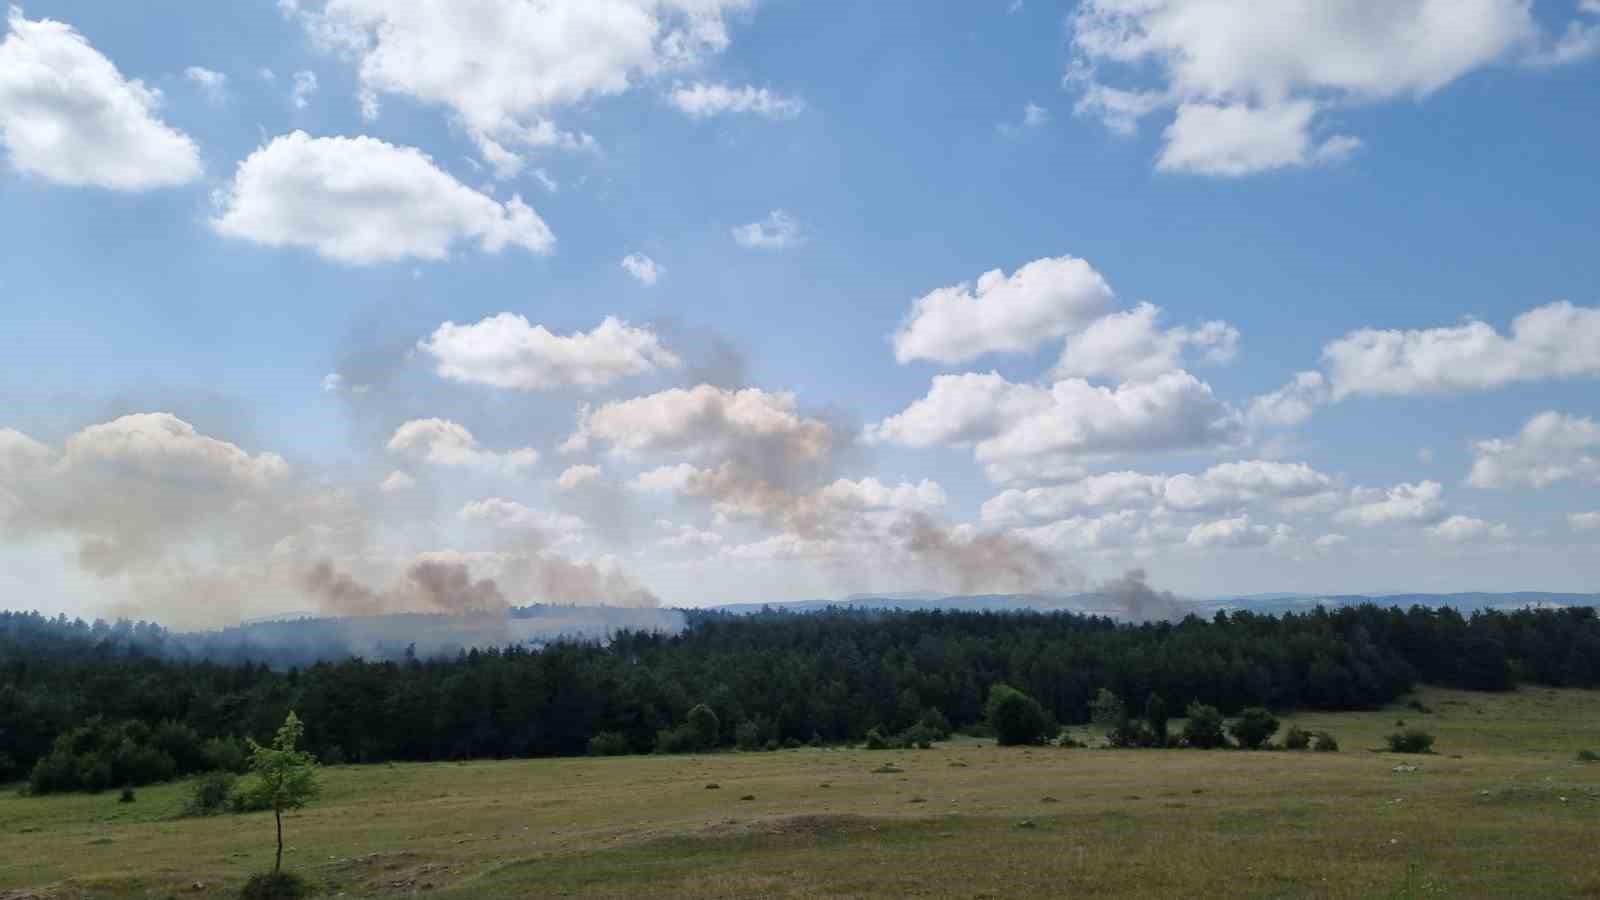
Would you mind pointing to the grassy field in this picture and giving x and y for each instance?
(1503, 810)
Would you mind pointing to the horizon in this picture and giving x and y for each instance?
(665, 311)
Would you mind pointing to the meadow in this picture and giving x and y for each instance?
(1504, 808)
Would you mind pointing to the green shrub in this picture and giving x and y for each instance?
(747, 736)
(1017, 718)
(1296, 739)
(876, 740)
(1254, 728)
(126, 796)
(274, 886)
(1155, 719)
(609, 743)
(677, 740)
(224, 754)
(1325, 743)
(210, 794)
(1412, 740)
(702, 723)
(934, 720)
(1588, 756)
(249, 795)
(792, 744)
(919, 736)
(1204, 728)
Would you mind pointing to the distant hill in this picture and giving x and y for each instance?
(1094, 603)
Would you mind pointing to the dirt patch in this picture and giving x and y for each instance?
(803, 826)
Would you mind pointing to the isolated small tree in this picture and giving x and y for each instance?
(1015, 717)
(1155, 718)
(702, 722)
(1325, 743)
(1204, 728)
(1106, 710)
(286, 776)
(1412, 740)
(1254, 727)
(1296, 739)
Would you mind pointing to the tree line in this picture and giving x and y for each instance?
(101, 692)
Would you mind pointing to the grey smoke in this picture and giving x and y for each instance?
(1138, 602)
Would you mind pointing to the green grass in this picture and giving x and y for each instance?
(1484, 817)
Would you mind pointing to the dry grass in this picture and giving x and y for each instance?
(1483, 818)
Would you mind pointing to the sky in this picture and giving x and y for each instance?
(357, 305)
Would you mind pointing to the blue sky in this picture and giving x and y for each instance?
(816, 393)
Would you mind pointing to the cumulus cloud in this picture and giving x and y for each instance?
(1033, 116)
(445, 443)
(498, 512)
(505, 67)
(362, 201)
(1130, 345)
(778, 231)
(67, 115)
(643, 269)
(507, 351)
(870, 494)
(1551, 448)
(1584, 521)
(703, 101)
(1251, 95)
(1237, 531)
(688, 536)
(1006, 421)
(1224, 486)
(305, 87)
(574, 477)
(1465, 529)
(1419, 502)
(397, 482)
(1558, 340)
(1293, 403)
(1041, 301)
(214, 85)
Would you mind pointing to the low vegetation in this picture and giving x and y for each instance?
(1412, 740)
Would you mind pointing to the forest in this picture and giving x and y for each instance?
(116, 708)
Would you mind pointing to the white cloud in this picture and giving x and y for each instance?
(332, 382)
(688, 536)
(397, 482)
(305, 87)
(1007, 421)
(1041, 301)
(1033, 116)
(779, 231)
(1251, 90)
(444, 443)
(1224, 486)
(266, 74)
(1128, 345)
(872, 494)
(1418, 502)
(574, 477)
(707, 422)
(1085, 533)
(1331, 541)
(1551, 448)
(503, 67)
(68, 116)
(1579, 42)
(1236, 140)
(507, 351)
(213, 84)
(1237, 531)
(1584, 521)
(362, 201)
(643, 269)
(1463, 529)
(1293, 403)
(1558, 340)
(702, 101)
(513, 516)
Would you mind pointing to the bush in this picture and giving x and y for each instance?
(274, 886)
(126, 796)
(919, 736)
(1325, 743)
(934, 720)
(1588, 756)
(702, 723)
(876, 740)
(210, 794)
(1155, 719)
(1204, 728)
(1254, 728)
(677, 740)
(609, 743)
(1017, 718)
(1295, 739)
(747, 736)
(224, 755)
(1412, 740)
(249, 795)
